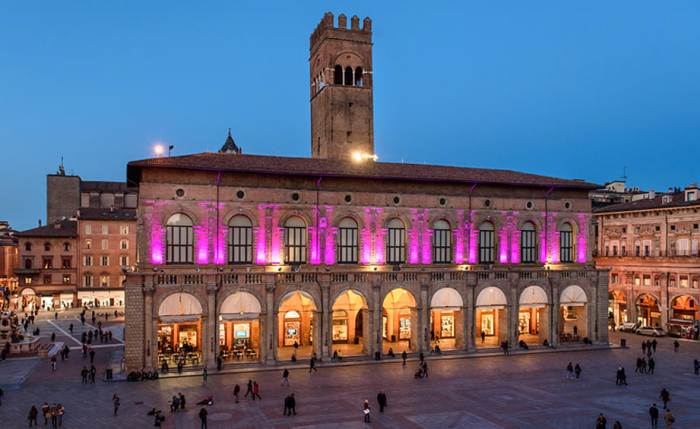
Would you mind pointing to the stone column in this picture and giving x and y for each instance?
(602, 285)
(470, 314)
(514, 309)
(376, 316)
(424, 319)
(318, 326)
(555, 311)
(326, 322)
(150, 345)
(212, 343)
(270, 343)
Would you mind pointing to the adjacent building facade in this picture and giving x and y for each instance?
(260, 258)
(9, 258)
(80, 257)
(651, 248)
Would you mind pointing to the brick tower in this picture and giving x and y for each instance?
(340, 65)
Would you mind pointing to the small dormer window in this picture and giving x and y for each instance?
(690, 196)
(666, 199)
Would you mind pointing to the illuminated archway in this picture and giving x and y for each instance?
(399, 321)
(239, 328)
(648, 313)
(296, 326)
(491, 317)
(447, 319)
(179, 330)
(573, 314)
(533, 315)
(684, 308)
(350, 324)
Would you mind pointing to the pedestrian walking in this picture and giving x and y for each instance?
(623, 376)
(404, 356)
(676, 346)
(617, 425)
(182, 401)
(2, 393)
(312, 364)
(115, 402)
(236, 392)
(381, 400)
(53, 364)
(665, 397)
(577, 370)
(644, 347)
(32, 416)
(92, 356)
(653, 344)
(669, 419)
(249, 390)
(45, 411)
(70, 328)
(256, 390)
(205, 375)
(483, 337)
(285, 377)
(203, 417)
(654, 416)
(601, 422)
(366, 411)
(651, 366)
(84, 374)
(569, 371)
(696, 366)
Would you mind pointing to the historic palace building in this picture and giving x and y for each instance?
(249, 258)
(81, 256)
(651, 248)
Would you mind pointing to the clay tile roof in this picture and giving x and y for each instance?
(91, 213)
(278, 165)
(678, 200)
(62, 228)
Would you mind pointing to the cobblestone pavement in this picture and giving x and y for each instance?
(518, 391)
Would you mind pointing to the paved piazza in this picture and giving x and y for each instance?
(518, 391)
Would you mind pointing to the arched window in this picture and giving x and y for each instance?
(179, 240)
(240, 240)
(359, 77)
(528, 243)
(566, 243)
(442, 243)
(486, 243)
(47, 247)
(28, 246)
(347, 241)
(396, 242)
(27, 264)
(295, 241)
(348, 76)
(338, 75)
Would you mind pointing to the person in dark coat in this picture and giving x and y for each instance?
(665, 396)
(33, 412)
(203, 417)
(381, 400)
(654, 415)
(601, 422)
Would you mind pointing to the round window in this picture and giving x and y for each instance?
(567, 205)
(240, 195)
(487, 203)
(442, 201)
(180, 192)
(397, 199)
(295, 196)
(529, 205)
(348, 198)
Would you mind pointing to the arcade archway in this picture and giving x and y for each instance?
(446, 319)
(350, 324)
(573, 314)
(239, 328)
(648, 313)
(491, 318)
(617, 307)
(296, 326)
(533, 316)
(399, 321)
(180, 330)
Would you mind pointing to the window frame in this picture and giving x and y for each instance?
(487, 243)
(441, 246)
(528, 244)
(347, 242)
(182, 250)
(396, 243)
(566, 244)
(240, 251)
(295, 242)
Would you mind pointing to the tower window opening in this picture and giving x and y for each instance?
(358, 77)
(348, 75)
(338, 75)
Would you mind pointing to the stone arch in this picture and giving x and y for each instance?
(288, 214)
(394, 214)
(533, 295)
(446, 297)
(339, 215)
(227, 291)
(355, 59)
(310, 295)
(573, 294)
(491, 296)
(535, 220)
(175, 209)
(185, 302)
(561, 220)
(496, 220)
(230, 214)
(240, 302)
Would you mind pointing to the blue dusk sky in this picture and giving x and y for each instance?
(569, 89)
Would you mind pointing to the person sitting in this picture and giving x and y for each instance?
(419, 373)
(523, 345)
(437, 349)
(164, 368)
(545, 343)
(209, 401)
(335, 355)
(391, 352)
(294, 356)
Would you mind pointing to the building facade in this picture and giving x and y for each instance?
(260, 259)
(650, 247)
(96, 221)
(9, 259)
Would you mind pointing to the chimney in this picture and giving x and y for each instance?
(652, 194)
(39, 222)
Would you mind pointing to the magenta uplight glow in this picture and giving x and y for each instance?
(459, 238)
(582, 251)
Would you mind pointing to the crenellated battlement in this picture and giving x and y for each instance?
(341, 30)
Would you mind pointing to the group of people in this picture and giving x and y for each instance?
(177, 403)
(51, 413)
(573, 372)
(422, 371)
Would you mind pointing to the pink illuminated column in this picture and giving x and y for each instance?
(503, 243)
(314, 239)
(220, 240)
(426, 238)
(473, 233)
(328, 237)
(201, 243)
(553, 254)
(379, 249)
(276, 236)
(458, 233)
(581, 249)
(261, 237)
(515, 246)
(157, 239)
(414, 239)
(366, 237)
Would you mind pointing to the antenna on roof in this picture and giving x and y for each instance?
(61, 168)
(624, 173)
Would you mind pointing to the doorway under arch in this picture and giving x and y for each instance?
(399, 322)
(296, 326)
(350, 324)
(491, 318)
(447, 320)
